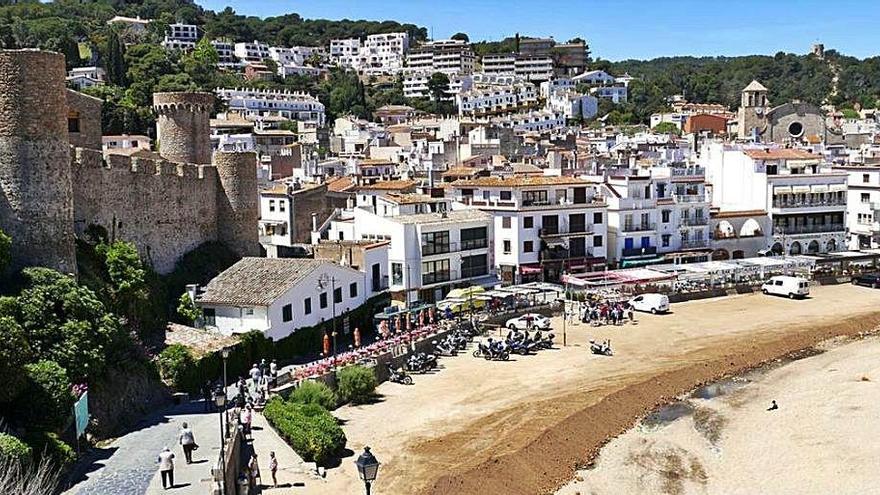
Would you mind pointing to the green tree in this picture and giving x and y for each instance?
(461, 37)
(356, 383)
(114, 64)
(311, 392)
(5, 251)
(15, 352)
(200, 64)
(11, 448)
(667, 128)
(438, 86)
(187, 311)
(175, 362)
(48, 400)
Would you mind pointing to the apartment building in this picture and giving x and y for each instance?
(452, 57)
(684, 211)
(543, 226)
(570, 58)
(86, 77)
(534, 69)
(261, 103)
(345, 51)
(805, 199)
(492, 100)
(862, 205)
(181, 36)
(499, 63)
(253, 52)
(226, 53)
(573, 105)
(533, 121)
(415, 85)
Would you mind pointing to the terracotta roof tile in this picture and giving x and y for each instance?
(781, 154)
(520, 181)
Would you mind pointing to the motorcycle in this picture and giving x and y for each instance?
(445, 348)
(421, 362)
(603, 349)
(398, 376)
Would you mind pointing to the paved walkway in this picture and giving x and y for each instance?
(292, 471)
(128, 466)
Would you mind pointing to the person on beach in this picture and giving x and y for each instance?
(166, 468)
(273, 468)
(773, 406)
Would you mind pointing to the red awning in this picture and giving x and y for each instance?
(530, 270)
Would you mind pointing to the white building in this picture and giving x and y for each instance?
(287, 104)
(345, 49)
(125, 142)
(573, 105)
(452, 57)
(534, 68)
(279, 296)
(543, 226)
(494, 99)
(500, 63)
(560, 84)
(86, 77)
(805, 199)
(617, 94)
(415, 85)
(533, 121)
(254, 51)
(430, 253)
(181, 36)
(226, 53)
(595, 78)
(862, 205)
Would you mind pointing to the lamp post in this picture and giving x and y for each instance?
(220, 401)
(225, 354)
(368, 468)
(322, 283)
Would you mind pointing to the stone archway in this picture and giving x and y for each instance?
(831, 246)
(795, 248)
(813, 247)
(777, 249)
(750, 228)
(725, 230)
(720, 254)
(739, 254)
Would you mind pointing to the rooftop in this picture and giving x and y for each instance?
(755, 86)
(410, 199)
(257, 281)
(520, 181)
(390, 185)
(781, 154)
(341, 184)
(451, 217)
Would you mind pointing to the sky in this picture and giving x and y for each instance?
(619, 29)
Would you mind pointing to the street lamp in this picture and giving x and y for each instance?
(368, 468)
(225, 354)
(220, 401)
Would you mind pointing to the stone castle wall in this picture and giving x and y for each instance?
(183, 126)
(166, 209)
(36, 201)
(237, 202)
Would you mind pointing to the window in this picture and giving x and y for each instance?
(577, 222)
(474, 238)
(534, 198)
(504, 195)
(435, 243)
(577, 247)
(397, 273)
(337, 295)
(210, 316)
(73, 124)
(286, 313)
(528, 246)
(248, 311)
(866, 178)
(271, 205)
(353, 289)
(307, 306)
(281, 204)
(664, 216)
(474, 266)
(597, 241)
(323, 300)
(866, 197)
(528, 222)
(597, 217)
(665, 240)
(435, 271)
(505, 222)
(506, 245)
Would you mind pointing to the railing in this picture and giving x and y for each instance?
(689, 198)
(566, 230)
(454, 247)
(687, 171)
(638, 227)
(807, 204)
(380, 284)
(694, 243)
(639, 251)
(478, 271)
(439, 277)
(811, 229)
(694, 222)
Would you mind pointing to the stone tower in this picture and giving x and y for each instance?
(237, 207)
(753, 107)
(36, 195)
(183, 126)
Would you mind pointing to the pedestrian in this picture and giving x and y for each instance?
(264, 368)
(273, 371)
(273, 468)
(254, 470)
(187, 441)
(166, 468)
(255, 375)
(245, 419)
(206, 393)
(773, 406)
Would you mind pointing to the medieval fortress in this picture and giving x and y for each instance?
(55, 181)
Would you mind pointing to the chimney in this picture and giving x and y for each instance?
(314, 222)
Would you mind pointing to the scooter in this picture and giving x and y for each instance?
(398, 376)
(603, 349)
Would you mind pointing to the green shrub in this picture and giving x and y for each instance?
(311, 392)
(175, 363)
(13, 448)
(308, 428)
(47, 400)
(356, 383)
(47, 445)
(187, 311)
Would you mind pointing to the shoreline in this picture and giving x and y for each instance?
(552, 459)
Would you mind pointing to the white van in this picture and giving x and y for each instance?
(784, 285)
(650, 303)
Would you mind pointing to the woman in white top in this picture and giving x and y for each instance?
(166, 468)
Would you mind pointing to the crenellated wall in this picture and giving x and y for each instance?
(165, 208)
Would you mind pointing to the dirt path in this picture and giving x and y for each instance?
(523, 426)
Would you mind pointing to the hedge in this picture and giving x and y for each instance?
(309, 429)
(356, 383)
(47, 400)
(13, 448)
(48, 445)
(312, 392)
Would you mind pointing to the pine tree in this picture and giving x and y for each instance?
(115, 63)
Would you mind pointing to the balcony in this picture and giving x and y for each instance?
(809, 229)
(694, 243)
(638, 227)
(808, 204)
(689, 198)
(694, 222)
(565, 230)
(639, 251)
(454, 247)
(688, 171)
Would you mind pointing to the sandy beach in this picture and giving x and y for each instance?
(821, 439)
(524, 426)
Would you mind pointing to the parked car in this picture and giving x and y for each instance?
(784, 285)
(650, 303)
(458, 300)
(529, 321)
(869, 279)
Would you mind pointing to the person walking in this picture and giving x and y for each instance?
(245, 419)
(207, 395)
(255, 375)
(187, 441)
(254, 470)
(273, 468)
(166, 468)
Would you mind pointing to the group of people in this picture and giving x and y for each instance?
(187, 440)
(603, 312)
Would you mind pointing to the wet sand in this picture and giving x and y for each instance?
(822, 439)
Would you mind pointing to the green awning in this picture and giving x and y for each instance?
(642, 262)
